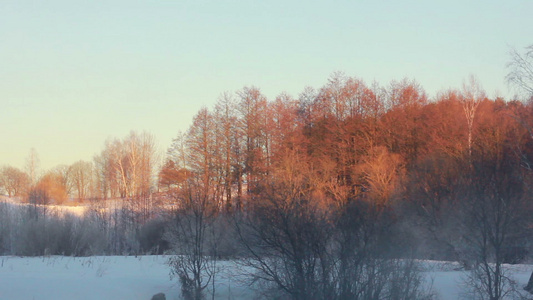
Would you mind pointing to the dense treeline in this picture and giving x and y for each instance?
(348, 142)
(329, 195)
(328, 182)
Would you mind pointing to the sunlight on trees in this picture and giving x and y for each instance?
(330, 195)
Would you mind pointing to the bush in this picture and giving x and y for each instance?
(300, 250)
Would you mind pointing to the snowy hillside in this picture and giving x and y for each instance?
(119, 277)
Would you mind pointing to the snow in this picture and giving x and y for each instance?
(128, 277)
(448, 280)
(99, 277)
(82, 278)
(77, 210)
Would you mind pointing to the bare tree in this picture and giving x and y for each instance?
(174, 172)
(131, 163)
(106, 178)
(382, 172)
(63, 174)
(301, 249)
(193, 238)
(81, 178)
(252, 117)
(50, 189)
(520, 77)
(171, 177)
(286, 236)
(497, 209)
(227, 139)
(14, 181)
(520, 74)
(200, 156)
(471, 97)
(402, 129)
(53, 186)
(32, 166)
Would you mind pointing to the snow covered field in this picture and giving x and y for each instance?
(120, 277)
(99, 277)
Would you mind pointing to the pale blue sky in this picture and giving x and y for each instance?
(73, 73)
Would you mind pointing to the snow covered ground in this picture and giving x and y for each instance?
(448, 281)
(120, 277)
(77, 210)
(99, 277)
